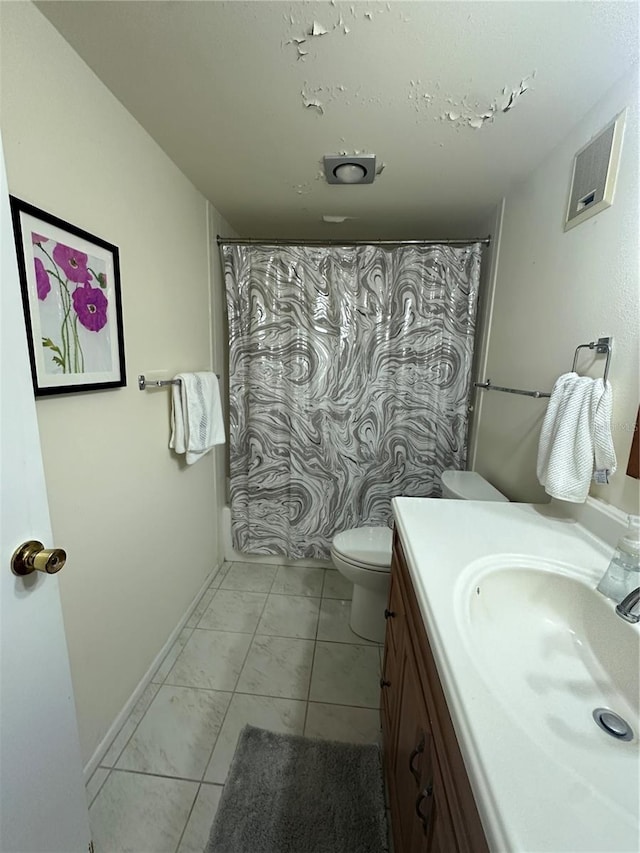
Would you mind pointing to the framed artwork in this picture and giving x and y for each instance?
(71, 296)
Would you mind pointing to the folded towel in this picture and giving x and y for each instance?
(196, 415)
(575, 441)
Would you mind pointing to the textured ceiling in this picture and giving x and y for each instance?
(246, 109)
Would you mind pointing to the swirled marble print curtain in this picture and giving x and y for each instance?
(349, 372)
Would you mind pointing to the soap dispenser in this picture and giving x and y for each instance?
(623, 573)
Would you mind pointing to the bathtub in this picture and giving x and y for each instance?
(232, 556)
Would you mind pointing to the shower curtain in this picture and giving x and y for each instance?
(349, 382)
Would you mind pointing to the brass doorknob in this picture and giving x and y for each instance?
(32, 556)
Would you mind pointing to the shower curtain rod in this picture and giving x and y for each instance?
(267, 242)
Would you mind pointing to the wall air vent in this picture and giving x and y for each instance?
(595, 169)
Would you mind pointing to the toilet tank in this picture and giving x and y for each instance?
(468, 486)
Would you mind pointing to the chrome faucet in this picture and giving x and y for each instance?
(627, 604)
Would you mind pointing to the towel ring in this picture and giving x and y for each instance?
(601, 346)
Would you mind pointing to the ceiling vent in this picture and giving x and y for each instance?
(350, 170)
(595, 169)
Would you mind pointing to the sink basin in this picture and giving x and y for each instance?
(551, 650)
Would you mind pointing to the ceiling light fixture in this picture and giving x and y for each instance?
(350, 170)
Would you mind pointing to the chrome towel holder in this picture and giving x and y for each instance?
(144, 383)
(601, 346)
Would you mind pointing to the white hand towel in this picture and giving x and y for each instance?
(575, 440)
(196, 415)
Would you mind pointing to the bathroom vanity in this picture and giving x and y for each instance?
(498, 651)
(432, 804)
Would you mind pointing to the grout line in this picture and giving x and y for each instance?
(343, 705)
(157, 775)
(313, 661)
(359, 641)
(234, 691)
(186, 823)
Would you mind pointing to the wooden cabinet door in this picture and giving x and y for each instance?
(413, 747)
(432, 810)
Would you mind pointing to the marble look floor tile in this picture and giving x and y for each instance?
(336, 586)
(339, 722)
(204, 810)
(233, 611)
(290, 616)
(134, 813)
(277, 715)
(277, 666)
(172, 655)
(176, 735)
(210, 659)
(295, 580)
(346, 674)
(200, 608)
(249, 577)
(95, 783)
(122, 738)
(334, 623)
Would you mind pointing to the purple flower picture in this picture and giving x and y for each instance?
(71, 289)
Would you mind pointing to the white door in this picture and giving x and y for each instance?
(43, 807)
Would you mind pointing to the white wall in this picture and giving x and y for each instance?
(554, 290)
(492, 226)
(140, 528)
(220, 353)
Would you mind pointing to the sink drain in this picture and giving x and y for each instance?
(613, 724)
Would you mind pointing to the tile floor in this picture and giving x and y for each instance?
(266, 645)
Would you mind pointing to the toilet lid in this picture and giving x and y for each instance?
(369, 545)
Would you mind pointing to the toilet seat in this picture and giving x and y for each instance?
(367, 567)
(365, 547)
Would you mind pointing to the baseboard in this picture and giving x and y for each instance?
(122, 717)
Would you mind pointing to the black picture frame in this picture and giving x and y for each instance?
(70, 281)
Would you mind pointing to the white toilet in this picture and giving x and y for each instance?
(363, 555)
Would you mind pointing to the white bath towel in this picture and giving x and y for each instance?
(196, 415)
(575, 442)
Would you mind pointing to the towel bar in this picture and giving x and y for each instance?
(601, 346)
(487, 386)
(144, 383)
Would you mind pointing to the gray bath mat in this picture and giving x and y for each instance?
(292, 794)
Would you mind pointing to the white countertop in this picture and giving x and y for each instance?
(529, 794)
